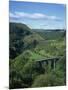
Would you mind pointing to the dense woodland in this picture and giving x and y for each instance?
(28, 45)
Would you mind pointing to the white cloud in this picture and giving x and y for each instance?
(39, 16)
(28, 15)
(12, 15)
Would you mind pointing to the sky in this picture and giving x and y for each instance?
(38, 15)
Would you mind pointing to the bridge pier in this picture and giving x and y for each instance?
(54, 64)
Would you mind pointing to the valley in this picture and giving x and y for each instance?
(26, 46)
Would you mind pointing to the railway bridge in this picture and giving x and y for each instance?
(51, 62)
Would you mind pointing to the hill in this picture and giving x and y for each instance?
(50, 34)
(21, 37)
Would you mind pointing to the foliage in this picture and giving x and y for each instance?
(26, 48)
(49, 79)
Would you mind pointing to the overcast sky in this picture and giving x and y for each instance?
(38, 15)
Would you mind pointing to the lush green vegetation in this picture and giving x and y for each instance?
(26, 47)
